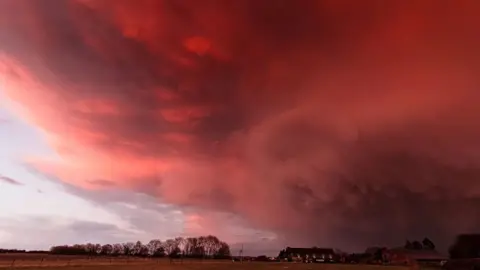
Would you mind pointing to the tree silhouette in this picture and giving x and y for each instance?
(193, 247)
(417, 245)
(408, 245)
(428, 244)
(107, 249)
(128, 248)
(155, 248)
(118, 250)
(466, 246)
(223, 251)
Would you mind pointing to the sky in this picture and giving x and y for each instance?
(301, 123)
(32, 206)
(40, 207)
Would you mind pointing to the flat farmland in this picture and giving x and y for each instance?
(43, 261)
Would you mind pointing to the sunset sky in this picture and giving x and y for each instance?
(329, 123)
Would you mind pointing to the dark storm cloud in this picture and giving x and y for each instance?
(325, 121)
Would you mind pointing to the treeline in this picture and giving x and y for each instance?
(21, 251)
(417, 245)
(192, 247)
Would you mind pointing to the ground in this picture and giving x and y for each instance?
(41, 261)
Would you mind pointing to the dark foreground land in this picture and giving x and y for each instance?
(62, 262)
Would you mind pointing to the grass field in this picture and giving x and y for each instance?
(40, 261)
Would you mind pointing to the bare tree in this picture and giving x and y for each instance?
(128, 248)
(181, 244)
(97, 248)
(155, 248)
(107, 249)
(223, 251)
(211, 245)
(118, 249)
(194, 247)
(90, 249)
(171, 247)
(140, 249)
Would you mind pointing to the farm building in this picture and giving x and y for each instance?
(309, 254)
(402, 256)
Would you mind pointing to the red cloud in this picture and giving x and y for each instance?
(326, 121)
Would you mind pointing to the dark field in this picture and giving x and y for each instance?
(65, 262)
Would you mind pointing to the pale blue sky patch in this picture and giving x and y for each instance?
(19, 140)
